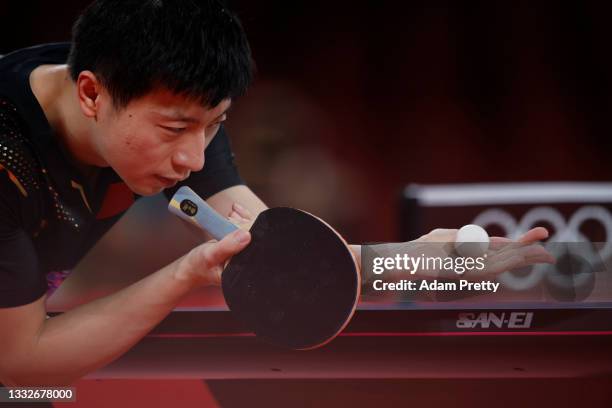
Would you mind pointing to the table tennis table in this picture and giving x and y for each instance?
(520, 332)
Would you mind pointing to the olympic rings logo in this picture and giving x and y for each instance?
(565, 232)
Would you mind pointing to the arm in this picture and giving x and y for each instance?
(503, 254)
(59, 350)
(224, 202)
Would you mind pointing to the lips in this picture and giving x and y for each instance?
(167, 182)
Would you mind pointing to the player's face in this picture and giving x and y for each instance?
(157, 140)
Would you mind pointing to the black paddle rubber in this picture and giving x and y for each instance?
(296, 284)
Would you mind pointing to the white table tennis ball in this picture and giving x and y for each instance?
(472, 241)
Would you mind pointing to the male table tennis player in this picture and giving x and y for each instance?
(133, 106)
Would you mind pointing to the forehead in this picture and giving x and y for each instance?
(165, 102)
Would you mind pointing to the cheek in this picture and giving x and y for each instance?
(137, 149)
(135, 142)
(141, 140)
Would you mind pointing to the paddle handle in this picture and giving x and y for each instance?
(189, 206)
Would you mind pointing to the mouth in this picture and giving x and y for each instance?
(167, 182)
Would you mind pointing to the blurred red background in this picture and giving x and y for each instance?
(353, 100)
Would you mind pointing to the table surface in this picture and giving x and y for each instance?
(480, 337)
(211, 344)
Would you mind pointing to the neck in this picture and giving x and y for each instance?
(57, 95)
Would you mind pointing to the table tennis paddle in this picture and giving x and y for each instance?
(295, 285)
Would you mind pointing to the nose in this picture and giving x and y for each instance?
(189, 157)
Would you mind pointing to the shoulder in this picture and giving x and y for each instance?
(9, 117)
(17, 158)
(15, 60)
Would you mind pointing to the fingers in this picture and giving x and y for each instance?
(534, 234)
(517, 257)
(236, 218)
(240, 216)
(531, 236)
(528, 251)
(505, 264)
(241, 211)
(229, 246)
(496, 243)
(209, 259)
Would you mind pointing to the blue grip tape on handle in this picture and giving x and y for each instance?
(189, 206)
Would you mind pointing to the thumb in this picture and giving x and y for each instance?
(204, 264)
(219, 252)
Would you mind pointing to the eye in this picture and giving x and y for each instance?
(174, 129)
(212, 130)
(218, 122)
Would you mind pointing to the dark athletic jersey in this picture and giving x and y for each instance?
(50, 213)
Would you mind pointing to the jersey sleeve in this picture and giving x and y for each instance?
(21, 281)
(21, 278)
(219, 172)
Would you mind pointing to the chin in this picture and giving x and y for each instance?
(144, 190)
(150, 191)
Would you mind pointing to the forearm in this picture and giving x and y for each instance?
(90, 336)
(223, 201)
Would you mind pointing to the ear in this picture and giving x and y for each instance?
(89, 90)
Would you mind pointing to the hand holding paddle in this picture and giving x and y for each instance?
(295, 285)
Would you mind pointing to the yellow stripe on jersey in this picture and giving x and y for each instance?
(15, 181)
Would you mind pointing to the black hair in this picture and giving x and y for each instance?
(196, 48)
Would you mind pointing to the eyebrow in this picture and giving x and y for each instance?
(179, 117)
